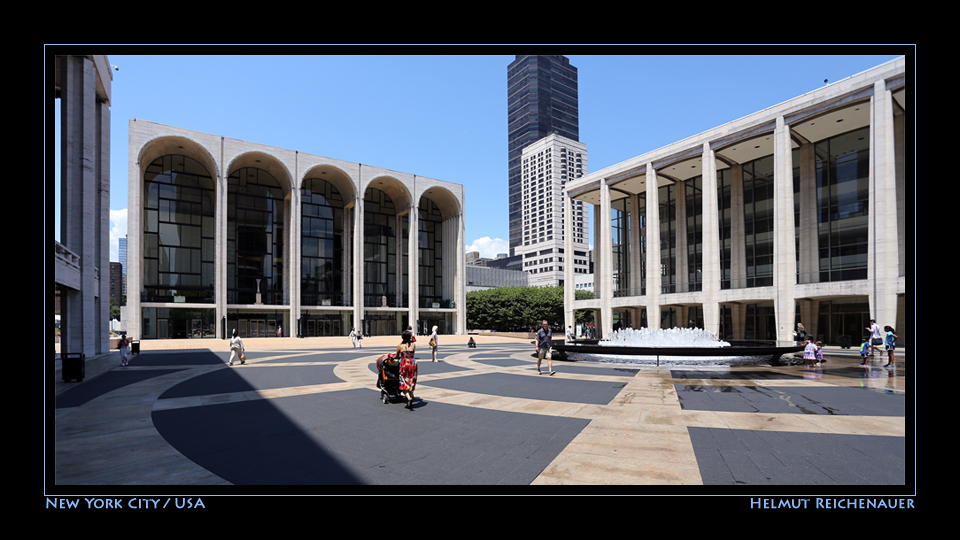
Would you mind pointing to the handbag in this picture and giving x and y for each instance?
(243, 357)
(433, 342)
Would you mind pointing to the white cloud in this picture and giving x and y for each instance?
(118, 230)
(489, 247)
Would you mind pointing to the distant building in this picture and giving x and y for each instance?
(541, 99)
(547, 166)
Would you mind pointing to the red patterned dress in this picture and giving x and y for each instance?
(408, 371)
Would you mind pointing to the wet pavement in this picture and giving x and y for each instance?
(306, 412)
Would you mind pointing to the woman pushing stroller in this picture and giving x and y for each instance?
(408, 366)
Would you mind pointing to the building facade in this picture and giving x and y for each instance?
(804, 202)
(226, 234)
(81, 258)
(541, 99)
(547, 166)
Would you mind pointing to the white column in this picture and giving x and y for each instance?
(220, 244)
(653, 249)
(605, 277)
(784, 250)
(413, 265)
(711, 243)
(569, 277)
(358, 257)
(883, 263)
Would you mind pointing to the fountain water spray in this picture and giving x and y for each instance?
(658, 337)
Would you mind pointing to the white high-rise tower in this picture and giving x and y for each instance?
(546, 167)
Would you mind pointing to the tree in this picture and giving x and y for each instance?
(515, 308)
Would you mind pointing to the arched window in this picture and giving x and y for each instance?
(255, 204)
(321, 241)
(178, 231)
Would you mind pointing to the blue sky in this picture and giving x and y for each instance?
(445, 116)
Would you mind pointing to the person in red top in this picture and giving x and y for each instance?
(408, 366)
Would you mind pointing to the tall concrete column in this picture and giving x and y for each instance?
(358, 256)
(784, 251)
(653, 249)
(883, 264)
(569, 277)
(85, 204)
(711, 243)
(413, 265)
(606, 256)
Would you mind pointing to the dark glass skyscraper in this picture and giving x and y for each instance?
(541, 99)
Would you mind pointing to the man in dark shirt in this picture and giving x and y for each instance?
(544, 346)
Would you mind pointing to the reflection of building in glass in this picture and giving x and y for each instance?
(794, 214)
(228, 234)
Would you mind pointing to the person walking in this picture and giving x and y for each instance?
(570, 337)
(890, 344)
(353, 337)
(408, 366)
(359, 339)
(875, 338)
(124, 358)
(434, 342)
(544, 347)
(236, 348)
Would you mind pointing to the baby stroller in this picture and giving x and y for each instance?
(388, 377)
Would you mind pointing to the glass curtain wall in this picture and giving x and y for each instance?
(668, 238)
(379, 249)
(724, 196)
(620, 228)
(758, 221)
(694, 201)
(843, 192)
(178, 231)
(321, 253)
(430, 262)
(255, 203)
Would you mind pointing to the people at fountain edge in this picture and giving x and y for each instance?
(890, 344)
(809, 353)
(876, 340)
(864, 350)
(545, 348)
(819, 353)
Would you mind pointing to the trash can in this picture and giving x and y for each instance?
(135, 346)
(73, 366)
(844, 342)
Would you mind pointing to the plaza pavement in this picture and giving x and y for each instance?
(306, 411)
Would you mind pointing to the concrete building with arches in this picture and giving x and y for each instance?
(226, 234)
(793, 214)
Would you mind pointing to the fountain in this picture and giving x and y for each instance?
(673, 346)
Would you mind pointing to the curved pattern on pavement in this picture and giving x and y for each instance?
(482, 416)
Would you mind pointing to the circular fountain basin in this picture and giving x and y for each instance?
(737, 353)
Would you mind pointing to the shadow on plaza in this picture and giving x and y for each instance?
(344, 437)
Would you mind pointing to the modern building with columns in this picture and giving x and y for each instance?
(793, 214)
(225, 234)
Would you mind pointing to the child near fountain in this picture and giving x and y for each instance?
(809, 353)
